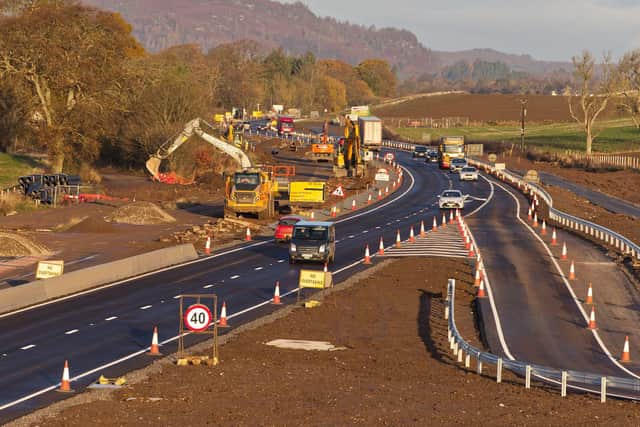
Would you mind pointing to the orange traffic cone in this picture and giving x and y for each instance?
(434, 227)
(543, 230)
(626, 357)
(207, 246)
(478, 278)
(379, 194)
(564, 251)
(412, 237)
(554, 239)
(381, 247)
(467, 242)
(471, 252)
(572, 272)
(535, 219)
(353, 205)
(367, 256)
(422, 232)
(589, 299)
(326, 267)
(529, 213)
(333, 212)
(451, 220)
(313, 216)
(248, 235)
(398, 241)
(276, 294)
(386, 190)
(444, 220)
(592, 318)
(155, 347)
(481, 293)
(65, 384)
(223, 316)
(369, 199)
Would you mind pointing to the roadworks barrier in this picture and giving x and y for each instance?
(37, 292)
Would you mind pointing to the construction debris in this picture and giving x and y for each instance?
(15, 245)
(141, 213)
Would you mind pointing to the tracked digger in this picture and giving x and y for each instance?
(348, 160)
(248, 190)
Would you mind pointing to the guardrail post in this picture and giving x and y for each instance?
(460, 354)
(455, 347)
(467, 361)
(499, 371)
(603, 389)
(563, 387)
(479, 367)
(527, 376)
(446, 312)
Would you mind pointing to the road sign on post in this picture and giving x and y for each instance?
(199, 317)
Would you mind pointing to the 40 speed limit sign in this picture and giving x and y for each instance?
(197, 317)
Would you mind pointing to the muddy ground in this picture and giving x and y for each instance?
(395, 370)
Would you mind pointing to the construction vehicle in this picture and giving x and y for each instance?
(370, 132)
(249, 190)
(284, 125)
(322, 150)
(349, 159)
(450, 147)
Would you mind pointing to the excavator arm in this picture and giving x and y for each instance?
(194, 127)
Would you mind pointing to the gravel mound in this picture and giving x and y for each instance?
(14, 245)
(92, 225)
(141, 213)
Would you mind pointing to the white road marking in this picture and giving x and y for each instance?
(177, 296)
(72, 331)
(108, 319)
(378, 228)
(235, 276)
(351, 236)
(365, 231)
(258, 268)
(145, 307)
(27, 347)
(208, 286)
(281, 260)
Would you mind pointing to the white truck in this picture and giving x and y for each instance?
(370, 132)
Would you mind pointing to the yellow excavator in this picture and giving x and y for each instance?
(349, 160)
(249, 190)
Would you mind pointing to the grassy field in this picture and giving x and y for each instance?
(12, 167)
(618, 135)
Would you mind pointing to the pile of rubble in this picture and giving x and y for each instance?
(220, 230)
(16, 245)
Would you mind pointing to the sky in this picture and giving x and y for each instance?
(545, 29)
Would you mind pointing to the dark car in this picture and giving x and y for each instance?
(419, 151)
(313, 241)
(432, 157)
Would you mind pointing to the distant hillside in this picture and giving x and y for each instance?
(159, 24)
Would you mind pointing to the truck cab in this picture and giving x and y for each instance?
(313, 241)
(285, 125)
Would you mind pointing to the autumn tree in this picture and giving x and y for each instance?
(15, 107)
(71, 57)
(378, 75)
(629, 73)
(330, 94)
(593, 93)
(358, 92)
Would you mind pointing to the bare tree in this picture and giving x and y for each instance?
(594, 93)
(629, 72)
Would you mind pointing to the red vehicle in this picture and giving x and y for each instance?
(285, 125)
(284, 229)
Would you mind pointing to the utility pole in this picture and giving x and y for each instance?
(523, 115)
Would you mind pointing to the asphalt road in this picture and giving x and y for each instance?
(108, 331)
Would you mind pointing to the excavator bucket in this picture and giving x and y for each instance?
(153, 166)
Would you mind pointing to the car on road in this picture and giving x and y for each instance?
(468, 173)
(432, 157)
(451, 199)
(313, 241)
(284, 229)
(419, 151)
(457, 164)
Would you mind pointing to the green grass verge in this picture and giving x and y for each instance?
(617, 135)
(13, 166)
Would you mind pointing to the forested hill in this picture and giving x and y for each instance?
(159, 24)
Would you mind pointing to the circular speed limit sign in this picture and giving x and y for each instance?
(389, 157)
(197, 317)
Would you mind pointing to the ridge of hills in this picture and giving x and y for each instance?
(159, 24)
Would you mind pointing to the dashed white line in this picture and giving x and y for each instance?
(27, 347)
(108, 319)
(281, 260)
(235, 276)
(177, 296)
(258, 268)
(378, 227)
(145, 307)
(72, 331)
(365, 231)
(351, 236)
(208, 286)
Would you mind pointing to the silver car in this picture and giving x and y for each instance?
(457, 164)
(468, 173)
(451, 199)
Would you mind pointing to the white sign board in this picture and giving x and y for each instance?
(49, 268)
(382, 175)
(197, 317)
(500, 166)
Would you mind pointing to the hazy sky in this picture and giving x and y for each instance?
(546, 29)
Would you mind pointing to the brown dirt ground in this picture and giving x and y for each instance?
(485, 108)
(396, 370)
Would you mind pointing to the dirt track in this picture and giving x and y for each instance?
(396, 370)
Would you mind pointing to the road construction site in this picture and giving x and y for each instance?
(536, 311)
